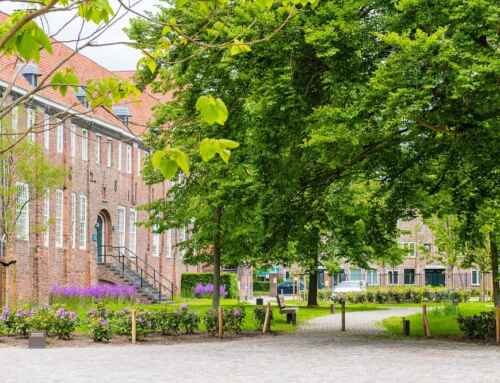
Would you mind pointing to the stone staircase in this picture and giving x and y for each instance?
(127, 268)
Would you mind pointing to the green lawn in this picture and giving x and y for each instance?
(442, 320)
(202, 305)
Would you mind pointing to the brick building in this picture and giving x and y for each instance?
(420, 268)
(98, 206)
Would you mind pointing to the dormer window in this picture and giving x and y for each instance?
(81, 95)
(31, 73)
(123, 113)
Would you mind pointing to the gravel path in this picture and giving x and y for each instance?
(318, 352)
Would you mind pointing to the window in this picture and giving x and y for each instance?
(46, 131)
(30, 123)
(83, 222)
(410, 247)
(132, 230)
(393, 277)
(372, 277)
(183, 237)
(46, 219)
(73, 220)
(475, 278)
(85, 145)
(121, 226)
(15, 118)
(155, 242)
(169, 244)
(97, 149)
(409, 276)
(110, 153)
(138, 161)
(129, 159)
(59, 137)
(22, 211)
(72, 140)
(355, 275)
(59, 218)
(119, 156)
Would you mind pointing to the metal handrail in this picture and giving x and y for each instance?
(147, 273)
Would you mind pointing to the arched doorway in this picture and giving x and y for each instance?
(102, 235)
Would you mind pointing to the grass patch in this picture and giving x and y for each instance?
(442, 320)
(202, 305)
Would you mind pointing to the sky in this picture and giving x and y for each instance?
(117, 57)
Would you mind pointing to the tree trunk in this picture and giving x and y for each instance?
(494, 269)
(217, 259)
(312, 297)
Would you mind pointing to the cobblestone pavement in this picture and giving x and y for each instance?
(318, 352)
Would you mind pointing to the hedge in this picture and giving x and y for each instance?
(261, 286)
(407, 295)
(190, 280)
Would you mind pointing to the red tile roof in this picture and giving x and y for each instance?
(86, 69)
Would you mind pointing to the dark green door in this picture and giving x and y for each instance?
(434, 277)
(99, 238)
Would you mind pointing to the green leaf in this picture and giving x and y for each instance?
(208, 149)
(228, 144)
(165, 165)
(212, 110)
(181, 159)
(238, 47)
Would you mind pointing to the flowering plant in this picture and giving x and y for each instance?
(7, 321)
(167, 323)
(206, 290)
(22, 322)
(211, 320)
(260, 316)
(65, 323)
(92, 293)
(43, 320)
(121, 323)
(233, 319)
(100, 330)
(189, 321)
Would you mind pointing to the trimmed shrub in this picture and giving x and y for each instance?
(481, 326)
(261, 286)
(190, 280)
(405, 294)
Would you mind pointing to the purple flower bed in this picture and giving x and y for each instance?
(201, 290)
(97, 292)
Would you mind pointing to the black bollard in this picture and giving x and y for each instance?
(406, 327)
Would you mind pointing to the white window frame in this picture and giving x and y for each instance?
(155, 241)
(72, 140)
(138, 151)
(478, 273)
(132, 231)
(98, 139)
(119, 167)
(169, 245)
(46, 131)
(73, 220)
(22, 211)
(59, 240)
(129, 159)
(82, 222)
(85, 145)
(15, 118)
(407, 246)
(30, 122)
(110, 153)
(46, 219)
(120, 226)
(60, 137)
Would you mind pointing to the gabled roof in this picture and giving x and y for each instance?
(86, 69)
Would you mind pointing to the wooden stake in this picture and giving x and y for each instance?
(497, 327)
(343, 315)
(266, 318)
(425, 321)
(134, 327)
(332, 308)
(221, 322)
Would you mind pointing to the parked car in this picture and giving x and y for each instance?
(348, 287)
(287, 287)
